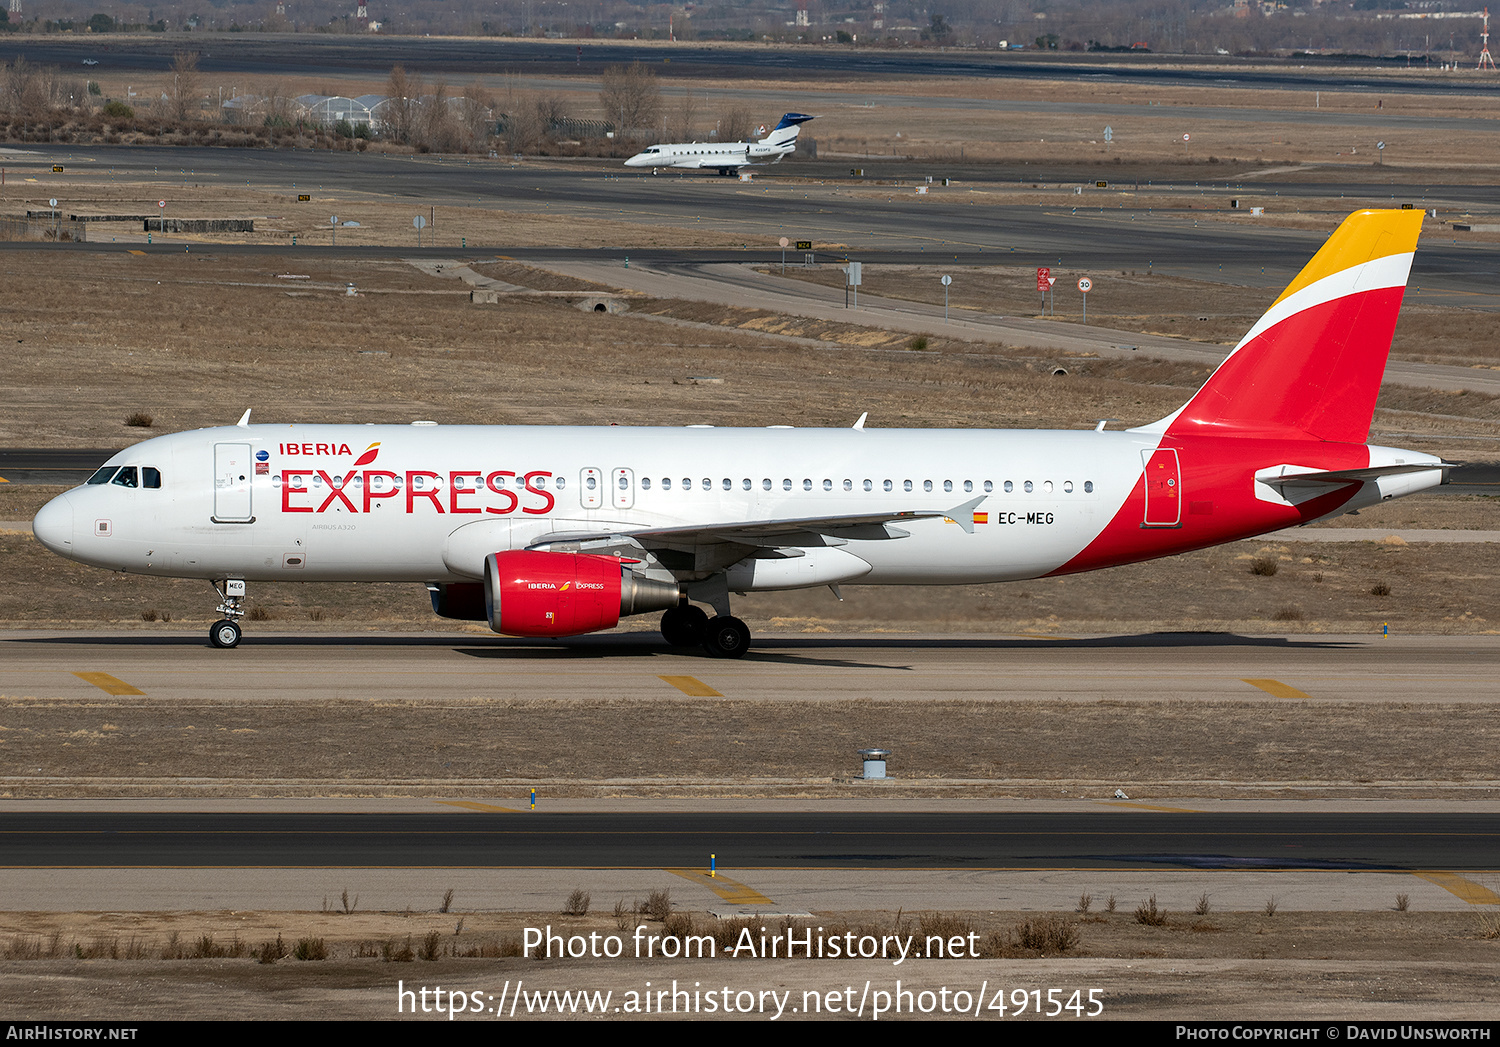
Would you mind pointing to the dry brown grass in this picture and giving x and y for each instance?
(416, 748)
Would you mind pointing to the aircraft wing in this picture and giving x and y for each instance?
(792, 531)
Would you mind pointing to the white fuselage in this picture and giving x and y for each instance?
(310, 515)
(428, 503)
(710, 155)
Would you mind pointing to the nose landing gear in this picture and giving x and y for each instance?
(225, 633)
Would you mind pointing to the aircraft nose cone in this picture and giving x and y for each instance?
(53, 526)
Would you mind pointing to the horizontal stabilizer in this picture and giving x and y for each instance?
(1281, 475)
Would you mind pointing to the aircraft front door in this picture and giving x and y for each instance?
(232, 472)
(1163, 488)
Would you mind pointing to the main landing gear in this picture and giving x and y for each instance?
(225, 633)
(722, 636)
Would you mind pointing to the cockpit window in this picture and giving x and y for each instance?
(126, 477)
(102, 476)
(152, 477)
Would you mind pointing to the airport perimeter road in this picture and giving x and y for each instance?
(745, 287)
(639, 666)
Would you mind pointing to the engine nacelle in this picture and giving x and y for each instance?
(564, 594)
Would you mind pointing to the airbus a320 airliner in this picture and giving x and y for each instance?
(559, 531)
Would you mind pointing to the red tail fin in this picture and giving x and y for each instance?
(1312, 366)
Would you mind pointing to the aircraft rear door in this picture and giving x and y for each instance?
(232, 472)
(1163, 488)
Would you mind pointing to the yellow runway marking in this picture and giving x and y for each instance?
(475, 805)
(732, 891)
(1150, 807)
(1277, 689)
(141, 253)
(692, 686)
(1463, 889)
(108, 684)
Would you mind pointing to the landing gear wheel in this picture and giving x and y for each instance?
(224, 634)
(726, 637)
(683, 626)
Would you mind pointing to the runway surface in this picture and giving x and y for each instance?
(311, 55)
(772, 857)
(639, 666)
(1101, 228)
(785, 840)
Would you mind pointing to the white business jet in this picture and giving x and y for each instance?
(725, 157)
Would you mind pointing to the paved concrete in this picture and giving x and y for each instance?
(631, 666)
(544, 890)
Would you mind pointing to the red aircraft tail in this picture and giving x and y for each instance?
(1311, 367)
